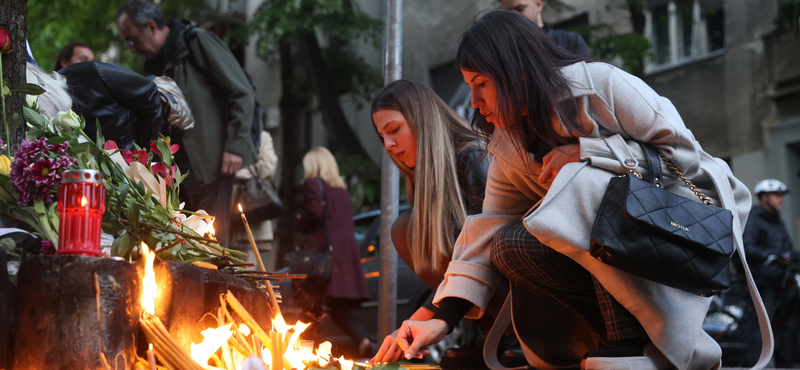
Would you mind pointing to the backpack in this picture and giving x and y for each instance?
(258, 114)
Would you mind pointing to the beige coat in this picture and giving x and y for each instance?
(267, 165)
(613, 106)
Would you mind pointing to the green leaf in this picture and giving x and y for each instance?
(29, 89)
(37, 120)
(123, 194)
(82, 148)
(8, 244)
(39, 207)
(14, 122)
(121, 246)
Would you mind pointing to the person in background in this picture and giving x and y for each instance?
(127, 105)
(326, 219)
(218, 92)
(532, 9)
(263, 231)
(74, 52)
(769, 252)
(445, 167)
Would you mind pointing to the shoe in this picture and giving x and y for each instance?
(467, 357)
(470, 356)
(626, 354)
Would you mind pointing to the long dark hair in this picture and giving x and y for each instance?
(66, 54)
(523, 62)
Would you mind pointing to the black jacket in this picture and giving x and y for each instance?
(765, 235)
(127, 105)
(569, 40)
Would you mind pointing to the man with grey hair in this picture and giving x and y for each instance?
(217, 91)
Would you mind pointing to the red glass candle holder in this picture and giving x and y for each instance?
(81, 205)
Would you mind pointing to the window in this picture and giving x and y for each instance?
(682, 30)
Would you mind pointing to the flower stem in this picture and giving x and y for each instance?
(5, 122)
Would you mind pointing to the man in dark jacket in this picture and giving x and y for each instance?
(768, 249)
(767, 245)
(532, 9)
(218, 93)
(127, 105)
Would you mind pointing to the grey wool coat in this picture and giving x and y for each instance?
(615, 107)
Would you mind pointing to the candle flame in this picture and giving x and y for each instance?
(149, 289)
(240, 207)
(212, 341)
(210, 230)
(84, 201)
(151, 346)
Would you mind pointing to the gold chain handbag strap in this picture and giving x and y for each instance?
(703, 198)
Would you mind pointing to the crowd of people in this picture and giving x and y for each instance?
(542, 104)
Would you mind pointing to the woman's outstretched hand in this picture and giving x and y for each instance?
(414, 335)
(557, 158)
(389, 350)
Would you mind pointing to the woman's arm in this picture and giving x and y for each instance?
(631, 109)
(471, 275)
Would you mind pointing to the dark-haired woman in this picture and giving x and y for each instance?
(552, 113)
(74, 52)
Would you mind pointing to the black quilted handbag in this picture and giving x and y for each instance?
(649, 232)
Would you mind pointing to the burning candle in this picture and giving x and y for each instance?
(252, 241)
(81, 204)
(277, 349)
(151, 358)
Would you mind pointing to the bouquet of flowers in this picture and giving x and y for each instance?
(142, 188)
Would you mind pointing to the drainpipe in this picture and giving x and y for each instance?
(390, 178)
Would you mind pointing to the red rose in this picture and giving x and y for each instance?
(5, 41)
(110, 145)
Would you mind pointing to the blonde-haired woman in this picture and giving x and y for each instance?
(445, 167)
(327, 220)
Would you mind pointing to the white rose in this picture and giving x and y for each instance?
(31, 100)
(67, 119)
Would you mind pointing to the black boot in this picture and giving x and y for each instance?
(470, 356)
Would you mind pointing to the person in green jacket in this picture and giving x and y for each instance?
(217, 91)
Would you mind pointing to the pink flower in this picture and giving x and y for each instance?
(154, 147)
(47, 248)
(165, 172)
(137, 155)
(44, 170)
(5, 41)
(44, 194)
(110, 145)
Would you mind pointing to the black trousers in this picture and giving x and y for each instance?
(526, 262)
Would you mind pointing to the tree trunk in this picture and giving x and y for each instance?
(12, 19)
(291, 107)
(332, 114)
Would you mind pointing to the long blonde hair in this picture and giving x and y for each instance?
(438, 207)
(319, 162)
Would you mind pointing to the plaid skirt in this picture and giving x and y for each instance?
(539, 269)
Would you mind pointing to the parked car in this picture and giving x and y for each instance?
(411, 293)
